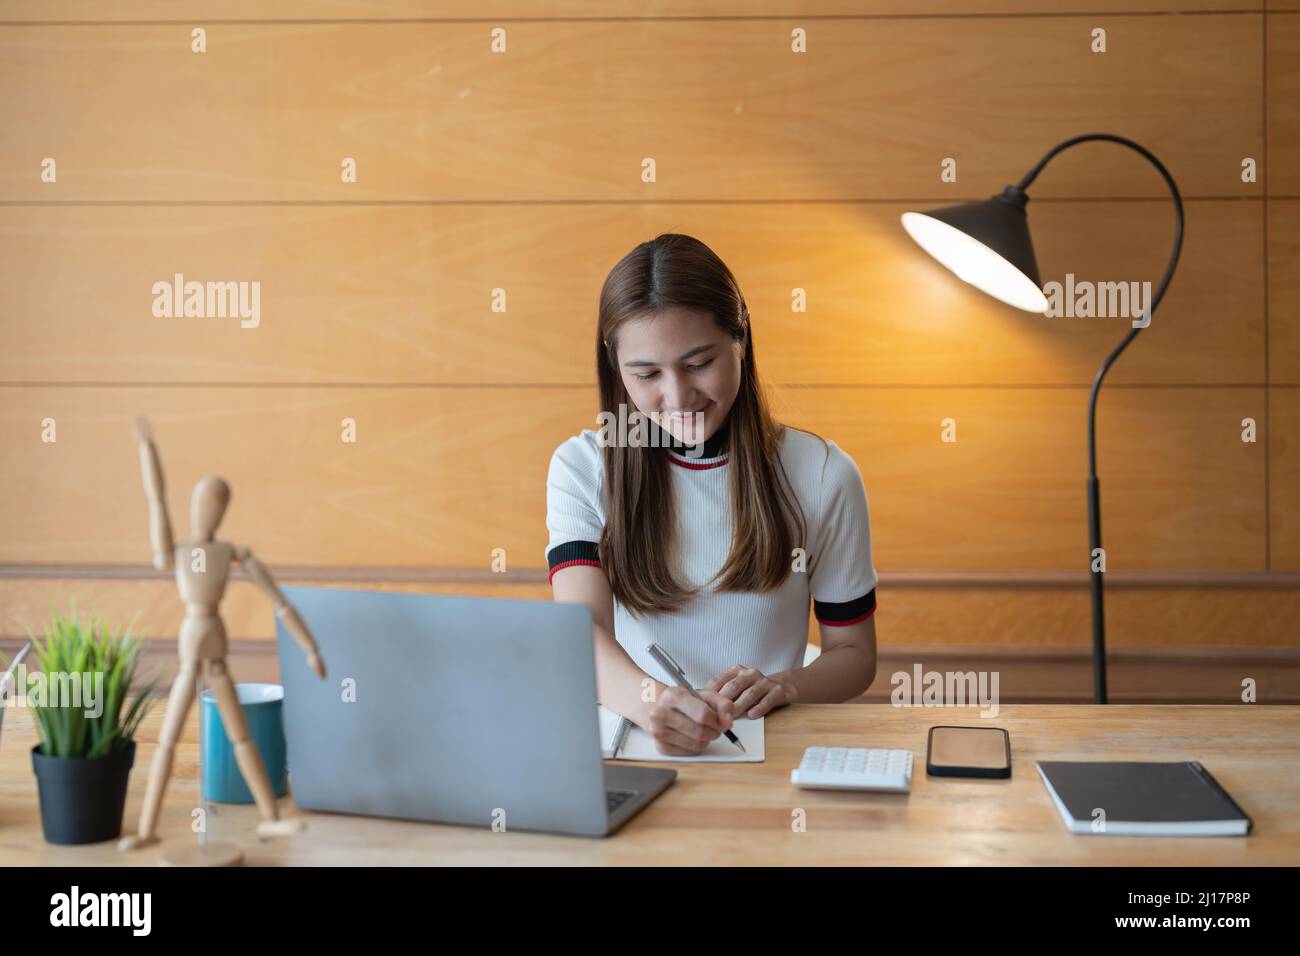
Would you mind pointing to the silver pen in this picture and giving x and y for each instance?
(674, 670)
(620, 736)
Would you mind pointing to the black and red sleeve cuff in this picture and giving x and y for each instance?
(844, 613)
(570, 553)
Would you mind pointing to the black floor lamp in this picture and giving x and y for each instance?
(987, 244)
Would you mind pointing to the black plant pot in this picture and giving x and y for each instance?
(82, 798)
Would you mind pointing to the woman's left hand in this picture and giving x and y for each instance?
(752, 692)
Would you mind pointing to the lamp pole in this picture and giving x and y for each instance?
(1094, 488)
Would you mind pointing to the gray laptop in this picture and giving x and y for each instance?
(477, 711)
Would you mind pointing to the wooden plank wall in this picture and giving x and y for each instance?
(521, 170)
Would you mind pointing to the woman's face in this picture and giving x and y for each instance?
(681, 370)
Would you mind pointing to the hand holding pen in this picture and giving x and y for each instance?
(714, 717)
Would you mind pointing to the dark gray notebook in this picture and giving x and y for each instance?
(1141, 799)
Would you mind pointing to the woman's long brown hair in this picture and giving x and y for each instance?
(639, 546)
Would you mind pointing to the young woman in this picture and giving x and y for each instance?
(711, 540)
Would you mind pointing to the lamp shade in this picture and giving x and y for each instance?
(986, 244)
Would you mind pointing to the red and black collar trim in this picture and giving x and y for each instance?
(712, 453)
(696, 464)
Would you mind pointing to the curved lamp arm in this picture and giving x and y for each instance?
(1164, 282)
(1094, 493)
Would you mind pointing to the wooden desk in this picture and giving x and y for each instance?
(738, 814)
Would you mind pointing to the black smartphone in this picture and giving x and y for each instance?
(968, 752)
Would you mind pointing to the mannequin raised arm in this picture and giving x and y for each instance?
(285, 611)
(160, 525)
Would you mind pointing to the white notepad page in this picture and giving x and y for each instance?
(638, 745)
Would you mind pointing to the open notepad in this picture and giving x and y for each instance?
(638, 745)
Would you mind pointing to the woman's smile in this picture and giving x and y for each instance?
(682, 416)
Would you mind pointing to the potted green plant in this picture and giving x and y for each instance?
(87, 732)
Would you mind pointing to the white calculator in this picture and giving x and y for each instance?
(854, 768)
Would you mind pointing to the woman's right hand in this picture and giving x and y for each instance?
(683, 725)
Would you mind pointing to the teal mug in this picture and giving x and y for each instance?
(263, 706)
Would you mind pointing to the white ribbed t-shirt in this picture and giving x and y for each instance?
(714, 629)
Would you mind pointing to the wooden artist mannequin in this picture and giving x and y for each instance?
(202, 568)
